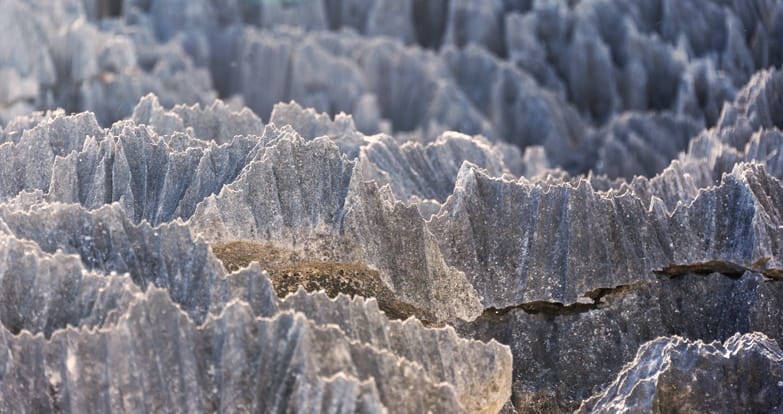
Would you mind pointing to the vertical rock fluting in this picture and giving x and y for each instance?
(398, 206)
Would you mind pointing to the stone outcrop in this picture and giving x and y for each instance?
(394, 206)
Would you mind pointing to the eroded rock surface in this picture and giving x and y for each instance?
(743, 373)
(394, 206)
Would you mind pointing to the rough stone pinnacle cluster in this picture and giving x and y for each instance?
(391, 206)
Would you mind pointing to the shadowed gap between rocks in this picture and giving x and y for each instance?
(109, 8)
(725, 268)
(557, 308)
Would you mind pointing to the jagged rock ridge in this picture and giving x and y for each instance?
(570, 179)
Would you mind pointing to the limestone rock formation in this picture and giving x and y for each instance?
(743, 373)
(56, 295)
(391, 206)
(565, 354)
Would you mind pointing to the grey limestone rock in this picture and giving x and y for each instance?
(572, 179)
(348, 13)
(216, 122)
(22, 49)
(310, 124)
(392, 18)
(743, 373)
(44, 293)
(565, 354)
(209, 366)
(293, 193)
(330, 211)
(309, 15)
(176, 172)
(648, 56)
(570, 240)
(479, 22)
(478, 388)
(60, 59)
(107, 241)
(642, 144)
(26, 160)
(756, 106)
(110, 301)
(377, 224)
(407, 85)
(426, 171)
(520, 111)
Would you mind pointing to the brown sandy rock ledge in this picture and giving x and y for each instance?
(288, 273)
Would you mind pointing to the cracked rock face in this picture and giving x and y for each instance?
(563, 354)
(394, 206)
